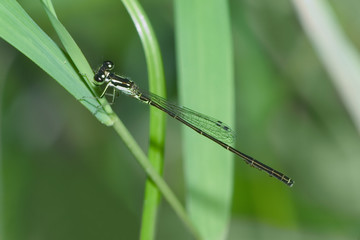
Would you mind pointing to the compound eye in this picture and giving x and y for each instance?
(108, 65)
(99, 78)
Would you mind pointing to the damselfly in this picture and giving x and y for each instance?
(211, 128)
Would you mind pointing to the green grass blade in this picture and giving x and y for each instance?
(76, 55)
(155, 177)
(205, 64)
(72, 49)
(157, 118)
(18, 29)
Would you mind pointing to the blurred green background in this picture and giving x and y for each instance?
(66, 176)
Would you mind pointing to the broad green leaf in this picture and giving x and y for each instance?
(206, 84)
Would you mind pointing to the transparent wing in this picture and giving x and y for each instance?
(209, 125)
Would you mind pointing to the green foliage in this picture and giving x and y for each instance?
(19, 29)
(26, 33)
(157, 119)
(256, 65)
(206, 83)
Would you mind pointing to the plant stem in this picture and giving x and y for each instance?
(153, 175)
